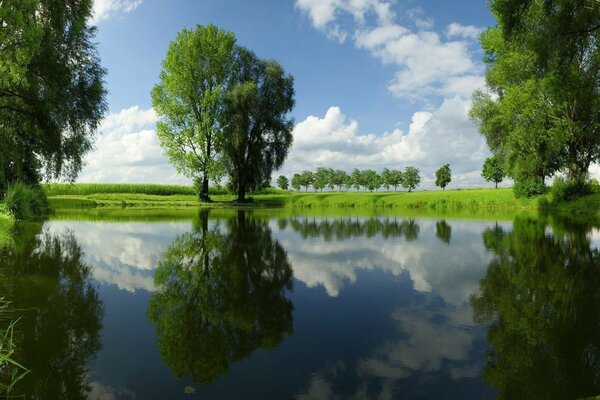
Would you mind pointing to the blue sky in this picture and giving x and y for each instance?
(379, 83)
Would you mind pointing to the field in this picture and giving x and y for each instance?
(64, 196)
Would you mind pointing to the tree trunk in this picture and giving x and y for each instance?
(204, 196)
(496, 185)
(241, 191)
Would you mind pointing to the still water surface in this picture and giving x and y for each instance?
(230, 305)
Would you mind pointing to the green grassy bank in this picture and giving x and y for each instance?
(6, 225)
(107, 195)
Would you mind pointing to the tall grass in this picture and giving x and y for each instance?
(84, 189)
(25, 202)
(11, 371)
(6, 224)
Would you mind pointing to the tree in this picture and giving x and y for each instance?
(283, 182)
(196, 74)
(257, 129)
(493, 170)
(443, 231)
(340, 178)
(297, 182)
(395, 178)
(540, 111)
(306, 179)
(371, 179)
(322, 178)
(356, 179)
(411, 178)
(386, 177)
(52, 95)
(443, 176)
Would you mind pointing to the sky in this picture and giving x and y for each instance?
(379, 83)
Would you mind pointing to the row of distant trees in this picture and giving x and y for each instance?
(367, 179)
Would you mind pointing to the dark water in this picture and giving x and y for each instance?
(234, 306)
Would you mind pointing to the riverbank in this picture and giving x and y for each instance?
(6, 225)
(107, 195)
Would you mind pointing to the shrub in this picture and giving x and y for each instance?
(529, 187)
(25, 202)
(563, 190)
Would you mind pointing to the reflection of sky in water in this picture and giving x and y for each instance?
(373, 317)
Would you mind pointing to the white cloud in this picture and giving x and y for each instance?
(427, 65)
(106, 9)
(463, 31)
(127, 150)
(446, 135)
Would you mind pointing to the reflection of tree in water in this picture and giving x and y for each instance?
(47, 282)
(541, 296)
(220, 296)
(346, 228)
(443, 231)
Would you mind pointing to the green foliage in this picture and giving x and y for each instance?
(297, 182)
(283, 182)
(307, 178)
(493, 169)
(25, 202)
(52, 95)
(257, 130)
(563, 190)
(540, 113)
(357, 179)
(371, 180)
(411, 178)
(340, 178)
(61, 189)
(443, 176)
(190, 99)
(529, 187)
(323, 178)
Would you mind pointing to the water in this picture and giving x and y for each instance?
(234, 305)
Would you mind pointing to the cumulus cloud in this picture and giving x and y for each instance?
(446, 135)
(127, 150)
(463, 31)
(106, 9)
(425, 61)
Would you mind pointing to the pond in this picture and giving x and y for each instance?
(271, 305)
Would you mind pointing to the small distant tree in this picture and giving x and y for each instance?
(443, 176)
(372, 181)
(307, 178)
(297, 182)
(322, 178)
(340, 178)
(411, 178)
(395, 178)
(283, 182)
(356, 179)
(386, 178)
(493, 170)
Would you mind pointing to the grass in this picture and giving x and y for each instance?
(435, 200)
(72, 196)
(6, 224)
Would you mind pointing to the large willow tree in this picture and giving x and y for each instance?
(541, 111)
(51, 89)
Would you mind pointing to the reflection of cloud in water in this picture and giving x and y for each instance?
(99, 391)
(123, 254)
(451, 271)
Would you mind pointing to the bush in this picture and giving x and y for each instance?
(25, 202)
(529, 187)
(565, 190)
